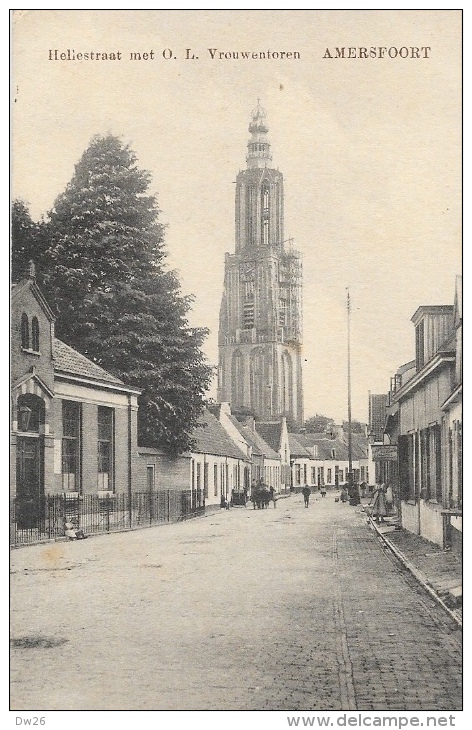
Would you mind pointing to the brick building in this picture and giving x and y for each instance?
(73, 424)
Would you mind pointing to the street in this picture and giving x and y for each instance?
(279, 609)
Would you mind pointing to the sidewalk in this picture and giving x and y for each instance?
(439, 571)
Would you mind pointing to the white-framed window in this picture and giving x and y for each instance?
(71, 434)
(105, 447)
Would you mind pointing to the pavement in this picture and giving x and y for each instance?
(439, 571)
(249, 610)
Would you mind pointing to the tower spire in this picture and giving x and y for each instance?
(258, 146)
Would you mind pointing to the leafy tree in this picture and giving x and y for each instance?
(317, 423)
(116, 301)
(356, 427)
(28, 241)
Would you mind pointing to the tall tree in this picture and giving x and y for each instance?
(27, 240)
(116, 300)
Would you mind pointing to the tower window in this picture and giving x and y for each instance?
(35, 334)
(24, 331)
(265, 215)
(248, 315)
(283, 313)
(249, 291)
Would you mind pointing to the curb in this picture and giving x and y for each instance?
(420, 577)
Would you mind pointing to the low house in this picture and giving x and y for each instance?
(264, 462)
(302, 464)
(329, 452)
(275, 434)
(217, 465)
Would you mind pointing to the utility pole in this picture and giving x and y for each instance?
(349, 427)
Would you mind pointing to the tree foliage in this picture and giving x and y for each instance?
(356, 427)
(28, 240)
(318, 423)
(117, 303)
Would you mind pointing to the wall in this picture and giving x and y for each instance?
(431, 523)
(422, 407)
(410, 517)
(168, 473)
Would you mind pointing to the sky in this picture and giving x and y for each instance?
(370, 150)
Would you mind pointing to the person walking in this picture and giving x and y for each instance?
(379, 504)
(306, 491)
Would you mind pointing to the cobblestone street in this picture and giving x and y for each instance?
(279, 609)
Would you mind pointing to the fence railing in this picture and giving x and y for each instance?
(43, 518)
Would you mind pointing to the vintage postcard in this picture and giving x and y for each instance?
(236, 365)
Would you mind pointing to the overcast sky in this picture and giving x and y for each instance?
(370, 150)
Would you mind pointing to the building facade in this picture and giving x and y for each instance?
(73, 424)
(260, 328)
(426, 420)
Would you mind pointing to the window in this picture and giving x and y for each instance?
(105, 448)
(71, 419)
(24, 331)
(249, 291)
(215, 480)
(205, 480)
(150, 478)
(321, 475)
(419, 336)
(248, 315)
(341, 476)
(297, 473)
(313, 474)
(35, 334)
(282, 313)
(329, 476)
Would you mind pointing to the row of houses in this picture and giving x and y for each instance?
(421, 448)
(74, 433)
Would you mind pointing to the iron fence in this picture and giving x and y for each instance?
(44, 518)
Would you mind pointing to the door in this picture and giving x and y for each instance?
(28, 483)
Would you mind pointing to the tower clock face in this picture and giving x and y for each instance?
(247, 270)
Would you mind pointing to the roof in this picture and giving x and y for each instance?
(431, 309)
(326, 445)
(68, 360)
(209, 437)
(448, 345)
(247, 434)
(258, 442)
(296, 448)
(271, 432)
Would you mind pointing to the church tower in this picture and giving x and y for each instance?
(260, 331)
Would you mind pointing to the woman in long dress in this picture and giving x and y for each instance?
(379, 504)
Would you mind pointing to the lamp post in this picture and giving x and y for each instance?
(24, 417)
